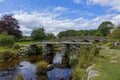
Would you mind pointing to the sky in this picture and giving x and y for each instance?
(61, 15)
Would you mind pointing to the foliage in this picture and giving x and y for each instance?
(16, 46)
(6, 40)
(71, 33)
(25, 39)
(5, 55)
(79, 74)
(19, 77)
(11, 25)
(108, 70)
(105, 27)
(94, 51)
(67, 33)
(40, 48)
(38, 34)
(26, 43)
(98, 33)
(86, 56)
(103, 30)
(50, 36)
(42, 66)
(115, 35)
(73, 62)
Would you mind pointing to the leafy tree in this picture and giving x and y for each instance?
(67, 33)
(11, 25)
(105, 27)
(50, 36)
(38, 34)
(115, 35)
(61, 34)
(6, 40)
(98, 33)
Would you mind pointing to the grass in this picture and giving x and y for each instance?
(7, 49)
(42, 66)
(28, 43)
(25, 43)
(108, 70)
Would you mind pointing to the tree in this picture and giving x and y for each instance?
(38, 34)
(115, 35)
(105, 27)
(67, 33)
(11, 25)
(50, 36)
(6, 40)
(98, 33)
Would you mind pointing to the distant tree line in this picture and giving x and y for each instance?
(103, 30)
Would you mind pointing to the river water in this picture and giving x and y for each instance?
(28, 70)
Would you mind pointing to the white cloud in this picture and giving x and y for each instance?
(53, 23)
(77, 1)
(114, 4)
(59, 9)
(1, 1)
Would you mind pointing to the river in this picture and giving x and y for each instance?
(28, 71)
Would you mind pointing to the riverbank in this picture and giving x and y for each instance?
(108, 64)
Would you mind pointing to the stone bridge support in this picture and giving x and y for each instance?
(65, 48)
(48, 49)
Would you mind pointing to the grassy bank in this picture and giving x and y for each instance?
(108, 65)
(7, 49)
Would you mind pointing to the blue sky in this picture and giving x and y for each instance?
(59, 15)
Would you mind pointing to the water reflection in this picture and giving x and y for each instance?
(28, 70)
(59, 74)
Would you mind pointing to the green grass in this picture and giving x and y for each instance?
(28, 43)
(106, 69)
(25, 43)
(7, 49)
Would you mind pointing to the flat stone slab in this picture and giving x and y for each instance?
(91, 74)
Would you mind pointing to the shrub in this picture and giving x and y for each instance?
(42, 67)
(6, 40)
(79, 74)
(83, 62)
(91, 59)
(40, 49)
(73, 62)
(19, 77)
(5, 55)
(94, 51)
(16, 46)
(86, 56)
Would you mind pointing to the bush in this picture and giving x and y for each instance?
(86, 56)
(19, 77)
(16, 46)
(38, 34)
(42, 67)
(94, 51)
(5, 55)
(40, 49)
(6, 40)
(73, 62)
(79, 74)
(83, 62)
